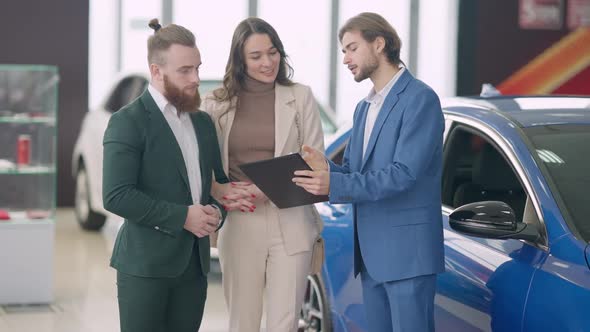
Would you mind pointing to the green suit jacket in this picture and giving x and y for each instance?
(145, 181)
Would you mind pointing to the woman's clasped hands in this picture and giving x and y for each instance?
(242, 196)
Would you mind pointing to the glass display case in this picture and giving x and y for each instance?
(28, 129)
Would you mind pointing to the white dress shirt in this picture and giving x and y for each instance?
(376, 99)
(183, 130)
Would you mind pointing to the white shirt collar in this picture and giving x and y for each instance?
(158, 97)
(377, 97)
(162, 102)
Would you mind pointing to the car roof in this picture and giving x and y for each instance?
(525, 111)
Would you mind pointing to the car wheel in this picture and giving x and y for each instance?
(315, 314)
(87, 218)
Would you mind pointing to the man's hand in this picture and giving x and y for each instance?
(201, 220)
(213, 211)
(315, 182)
(314, 158)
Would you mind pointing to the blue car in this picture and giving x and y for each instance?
(516, 215)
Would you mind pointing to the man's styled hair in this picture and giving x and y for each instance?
(164, 37)
(371, 26)
(235, 70)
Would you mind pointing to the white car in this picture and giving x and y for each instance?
(87, 156)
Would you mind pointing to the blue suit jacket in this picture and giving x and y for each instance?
(395, 189)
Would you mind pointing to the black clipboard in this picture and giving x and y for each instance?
(275, 176)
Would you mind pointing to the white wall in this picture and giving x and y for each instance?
(213, 23)
(103, 39)
(304, 28)
(102, 60)
(135, 32)
(437, 55)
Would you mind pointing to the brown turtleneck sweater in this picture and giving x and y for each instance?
(252, 136)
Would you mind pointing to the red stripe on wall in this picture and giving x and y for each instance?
(579, 84)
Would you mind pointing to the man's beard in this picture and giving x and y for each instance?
(179, 99)
(367, 69)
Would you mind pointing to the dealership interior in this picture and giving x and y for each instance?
(67, 66)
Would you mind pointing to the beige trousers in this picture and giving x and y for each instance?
(255, 267)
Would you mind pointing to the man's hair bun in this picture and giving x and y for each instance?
(155, 24)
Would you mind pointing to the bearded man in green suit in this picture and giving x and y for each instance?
(159, 157)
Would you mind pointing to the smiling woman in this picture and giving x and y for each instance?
(262, 58)
(260, 114)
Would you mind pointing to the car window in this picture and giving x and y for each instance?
(126, 91)
(564, 151)
(475, 170)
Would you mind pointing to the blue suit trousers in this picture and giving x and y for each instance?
(405, 305)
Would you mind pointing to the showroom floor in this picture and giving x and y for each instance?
(84, 287)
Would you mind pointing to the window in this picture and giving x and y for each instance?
(475, 170)
(565, 153)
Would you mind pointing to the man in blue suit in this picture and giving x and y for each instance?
(391, 173)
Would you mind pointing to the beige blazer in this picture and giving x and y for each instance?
(297, 122)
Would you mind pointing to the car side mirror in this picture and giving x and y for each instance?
(492, 220)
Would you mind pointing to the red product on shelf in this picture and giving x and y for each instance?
(4, 215)
(23, 150)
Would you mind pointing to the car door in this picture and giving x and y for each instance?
(486, 282)
(560, 291)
